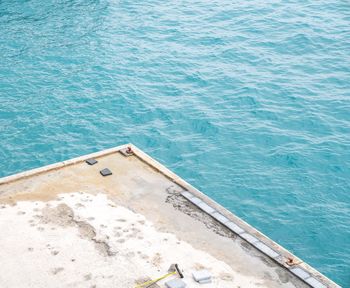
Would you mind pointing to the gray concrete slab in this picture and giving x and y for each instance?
(195, 200)
(315, 283)
(251, 239)
(205, 207)
(187, 195)
(300, 272)
(234, 227)
(221, 218)
(267, 250)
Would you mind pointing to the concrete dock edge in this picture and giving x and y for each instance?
(246, 232)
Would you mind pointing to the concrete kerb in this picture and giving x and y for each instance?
(236, 224)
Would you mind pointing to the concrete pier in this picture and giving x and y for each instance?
(66, 225)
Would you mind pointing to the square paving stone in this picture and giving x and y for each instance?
(175, 283)
(201, 275)
(91, 161)
(106, 172)
(207, 281)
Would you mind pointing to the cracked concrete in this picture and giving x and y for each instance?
(63, 215)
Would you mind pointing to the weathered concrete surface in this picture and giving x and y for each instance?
(71, 227)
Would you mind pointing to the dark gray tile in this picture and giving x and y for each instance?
(106, 172)
(91, 161)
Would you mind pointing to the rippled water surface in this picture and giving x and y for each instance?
(249, 101)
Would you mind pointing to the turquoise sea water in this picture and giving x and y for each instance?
(248, 101)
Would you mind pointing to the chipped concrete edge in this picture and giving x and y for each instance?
(245, 231)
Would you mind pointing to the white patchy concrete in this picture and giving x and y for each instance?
(85, 240)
